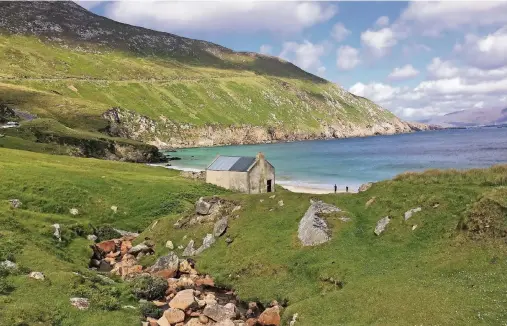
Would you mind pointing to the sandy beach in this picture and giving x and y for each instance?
(311, 190)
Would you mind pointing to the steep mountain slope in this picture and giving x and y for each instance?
(61, 62)
(472, 117)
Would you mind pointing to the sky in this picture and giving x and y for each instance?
(417, 59)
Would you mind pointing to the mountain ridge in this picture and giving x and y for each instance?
(56, 55)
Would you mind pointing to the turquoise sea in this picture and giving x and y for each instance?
(354, 161)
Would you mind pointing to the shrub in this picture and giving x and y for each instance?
(149, 288)
(6, 286)
(149, 309)
(106, 232)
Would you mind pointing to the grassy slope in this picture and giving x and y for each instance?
(49, 186)
(433, 275)
(156, 86)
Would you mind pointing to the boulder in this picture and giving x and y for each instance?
(203, 319)
(280, 203)
(202, 207)
(73, 211)
(194, 322)
(294, 319)
(313, 230)
(57, 234)
(371, 201)
(207, 242)
(410, 212)
(204, 281)
(174, 316)
(185, 266)
(166, 266)
(220, 227)
(169, 245)
(91, 237)
(37, 276)
(189, 250)
(139, 248)
(15, 203)
(270, 316)
(106, 246)
(225, 322)
(80, 303)
(127, 234)
(365, 187)
(183, 300)
(7, 264)
(210, 299)
(125, 247)
(381, 225)
(114, 209)
(219, 313)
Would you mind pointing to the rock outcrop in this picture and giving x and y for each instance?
(381, 225)
(410, 212)
(313, 229)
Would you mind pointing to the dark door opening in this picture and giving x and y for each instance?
(269, 186)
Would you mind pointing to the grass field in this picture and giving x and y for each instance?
(449, 270)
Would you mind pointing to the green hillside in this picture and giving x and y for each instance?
(72, 66)
(449, 270)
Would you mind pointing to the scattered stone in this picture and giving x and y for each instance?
(210, 299)
(125, 247)
(189, 250)
(194, 322)
(202, 207)
(91, 237)
(166, 266)
(365, 187)
(57, 233)
(106, 246)
(183, 300)
(174, 316)
(15, 203)
(72, 88)
(313, 230)
(261, 200)
(138, 249)
(7, 264)
(381, 225)
(410, 212)
(225, 322)
(220, 227)
(185, 266)
(73, 211)
(128, 307)
(414, 227)
(180, 247)
(293, 321)
(219, 313)
(436, 205)
(127, 234)
(80, 303)
(169, 244)
(371, 201)
(114, 209)
(272, 197)
(270, 316)
(280, 203)
(203, 319)
(236, 208)
(228, 240)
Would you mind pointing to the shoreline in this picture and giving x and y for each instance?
(295, 186)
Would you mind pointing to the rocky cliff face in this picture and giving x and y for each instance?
(128, 124)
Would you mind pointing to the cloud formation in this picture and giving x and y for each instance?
(347, 57)
(242, 16)
(402, 73)
(305, 55)
(339, 32)
(379, 42)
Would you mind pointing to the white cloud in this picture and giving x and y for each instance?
(433, 17)
(442, 69)
(305, 55)
(347, 57)
(415, 48)
(382, 21)
(243, 16)
(321, 70)
(485, 52)
(405, 72)
(379, 42)
(436, 97)
(339, 32)
(266, 49)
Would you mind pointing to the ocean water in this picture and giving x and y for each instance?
(354, 161)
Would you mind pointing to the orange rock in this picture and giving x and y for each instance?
(270, 316)
(174, 316)
(204, 281)
(125, 247)
(106, 246)
(110, 260)
(251, 322)
(113, 254)
(152, 321)
(166, 273)
(159, 303)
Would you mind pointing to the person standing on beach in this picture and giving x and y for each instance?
(335, 188)
(347, 189)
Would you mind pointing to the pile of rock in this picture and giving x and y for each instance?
(191, 299)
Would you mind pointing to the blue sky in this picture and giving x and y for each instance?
(418, 59)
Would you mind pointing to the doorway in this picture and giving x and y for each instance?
(269, 186)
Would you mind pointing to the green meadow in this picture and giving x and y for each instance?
(448, 270)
